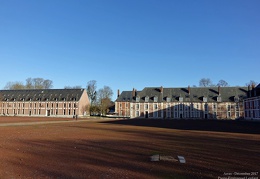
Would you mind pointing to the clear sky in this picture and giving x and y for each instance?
(128, 44)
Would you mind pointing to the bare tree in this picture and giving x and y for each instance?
(72, 87)
(104, 98)
(91, 90)
(205, 82)
(251, 82)
(47, 84)
(31, 83)
(14, 86)
(222, 83)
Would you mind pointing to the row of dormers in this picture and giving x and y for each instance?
(41, 95)
(181, 99)
(40, 99)
(198, 94)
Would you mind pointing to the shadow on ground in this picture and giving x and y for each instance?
(246, 127)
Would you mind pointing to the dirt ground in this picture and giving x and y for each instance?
(114, 148)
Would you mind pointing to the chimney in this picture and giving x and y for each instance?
(133, 92)
(161, 89)
(218, 90)
(189, 89)
(118, 93)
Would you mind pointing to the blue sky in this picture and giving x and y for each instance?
(129, 44)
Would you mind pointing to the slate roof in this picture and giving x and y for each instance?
(41, 95)
(227, 94)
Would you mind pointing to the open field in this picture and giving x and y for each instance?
(105, 148)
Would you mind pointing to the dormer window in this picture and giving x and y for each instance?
(219, 99)
(155, 99)
(180, 99)
(137, 99)
(168, 99)
(205, 99)
(146, 99)
(236, 99)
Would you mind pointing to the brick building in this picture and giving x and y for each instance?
(177, 103)
(252, 103)
(44, 102)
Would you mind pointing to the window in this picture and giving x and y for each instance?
(229, 107)
(137, 114)
(180, 107)
(168, 99)
(155, 106)
(146, 99)
(214, 106)
(155, 99)
(146, 106)
(191, 107)
(214, 115)
(236, 99)
(219, 99)
(237, 114)
(237, 107)
(137, 99)
(64, 105)
(206, 107)
(169, 114)
(205, 99)
(181, 99)
(198, 114)
(228, 114)
(137, 106)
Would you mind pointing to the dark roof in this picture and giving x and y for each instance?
(126, 96)
(196, 94)
(41, 95)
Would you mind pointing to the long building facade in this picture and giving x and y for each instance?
(252, 104)
(44, 102)
(178, 103)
